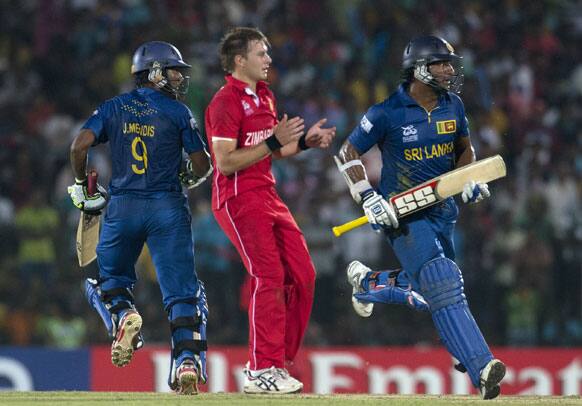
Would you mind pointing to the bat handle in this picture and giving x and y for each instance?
(92, 182)
(350, 225)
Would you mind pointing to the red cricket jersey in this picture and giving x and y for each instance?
(235, 112)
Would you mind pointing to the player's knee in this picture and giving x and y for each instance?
(441, 283)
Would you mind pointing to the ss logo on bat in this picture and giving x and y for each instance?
(414, 200)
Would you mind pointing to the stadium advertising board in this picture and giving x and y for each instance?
(26, 369)
(378, 370)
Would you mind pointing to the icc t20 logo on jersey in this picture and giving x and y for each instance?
(409, 134)
(246, 108)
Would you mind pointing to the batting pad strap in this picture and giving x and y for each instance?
(190, 323)
(196, 346)
(122, 293)
(119, 306)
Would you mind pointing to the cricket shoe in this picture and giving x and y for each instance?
(491, 375)
(127, 338)
(356, 273)
(187, 378)
(270, 381)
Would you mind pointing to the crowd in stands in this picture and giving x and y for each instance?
(519, 250)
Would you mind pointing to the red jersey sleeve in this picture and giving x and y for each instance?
(225, 115)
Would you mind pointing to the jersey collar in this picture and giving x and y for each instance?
(146, 90)
(407, 101)
(239, 84)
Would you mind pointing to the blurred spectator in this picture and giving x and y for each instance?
(520, 253)
(36, 225)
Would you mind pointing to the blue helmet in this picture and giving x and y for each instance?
(422, 51)
(155, 57)
(165, 54)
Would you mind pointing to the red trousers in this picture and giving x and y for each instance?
(275, 255)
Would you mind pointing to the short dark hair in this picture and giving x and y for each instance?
(141, 78)
(407, 75)
(236, 42)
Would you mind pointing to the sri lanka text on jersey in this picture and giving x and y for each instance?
(429, 152)
(139, 129)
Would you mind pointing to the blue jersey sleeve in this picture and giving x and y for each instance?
(370, 131)
(96, 123)
(191, 137)
(463, 130)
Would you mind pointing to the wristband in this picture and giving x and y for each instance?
(367, 193)
(273, 143)
(302, 145)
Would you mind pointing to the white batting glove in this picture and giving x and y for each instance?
(378, 210)
(91, 204)
(475, 192)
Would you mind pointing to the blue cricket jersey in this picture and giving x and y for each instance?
(416, 145)
(147, 132)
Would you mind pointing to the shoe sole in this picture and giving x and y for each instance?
(122, 348)
(258, 391)
(494, 375)
(363, 310)
(188, 384)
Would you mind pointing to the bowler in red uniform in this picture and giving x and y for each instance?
(244, 136)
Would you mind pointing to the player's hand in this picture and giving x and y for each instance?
(289, 129)
(379, 211)
(318, 137)
(475, 192)
(90, 204)
(189, 179)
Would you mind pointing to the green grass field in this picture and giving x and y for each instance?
(140, 398)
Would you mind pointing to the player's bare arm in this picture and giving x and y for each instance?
(90, 203)
(230, 159)
(350, 159)
(316, 137)
(378, 210)
(78, 153)
(197, 169)
(464, 151)
(200, 163)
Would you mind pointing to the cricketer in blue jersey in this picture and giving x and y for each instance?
(422, 132)
(147, 130)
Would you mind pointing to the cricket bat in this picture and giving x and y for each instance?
(88, 229)
(435, 190)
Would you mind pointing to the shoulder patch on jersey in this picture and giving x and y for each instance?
(95, 112)
(193, 123)
(366, 124)
(446, 127)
